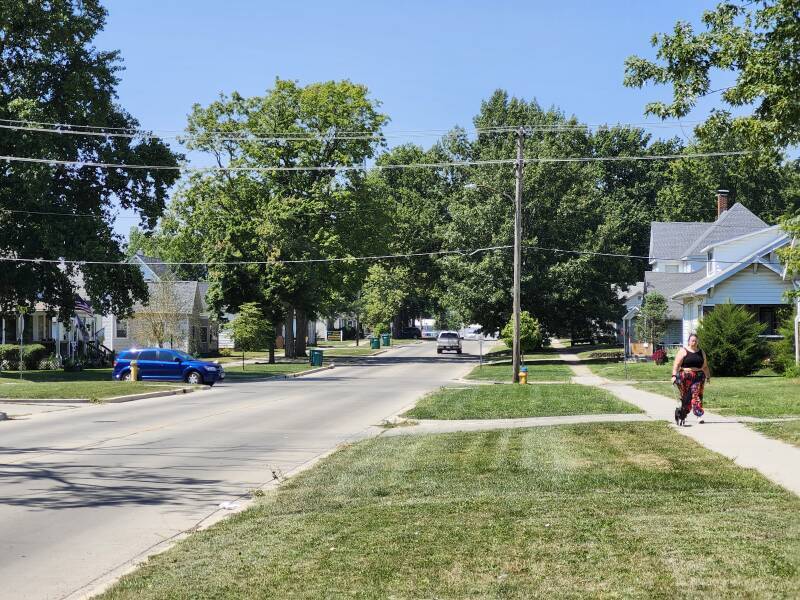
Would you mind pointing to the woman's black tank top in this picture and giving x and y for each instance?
(693, 360)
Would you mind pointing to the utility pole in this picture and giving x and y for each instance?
(516, 360)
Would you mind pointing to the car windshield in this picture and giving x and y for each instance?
(449, 336)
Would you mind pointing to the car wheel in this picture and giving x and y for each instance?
(126, 376)
(458, 351)
(438, 351)
(194, 378)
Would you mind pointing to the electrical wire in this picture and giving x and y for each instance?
(344, 168)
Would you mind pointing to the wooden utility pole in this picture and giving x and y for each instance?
(516, 360)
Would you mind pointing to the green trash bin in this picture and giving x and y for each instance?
(374, 343)
(386, 339)
(316, 358)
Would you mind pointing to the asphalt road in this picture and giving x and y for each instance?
(84, 492)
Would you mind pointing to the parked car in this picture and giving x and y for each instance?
(410, 333)
(448, 340)
(167, 365)
(429, 334)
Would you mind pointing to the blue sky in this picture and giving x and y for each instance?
(429, 63)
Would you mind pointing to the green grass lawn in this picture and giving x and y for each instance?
(360, 351)
(640, 371)
(612, 510)
(583, 351)
(90, 383)
(261, 371)
(509, 401)
(746, 396)
(502, 372)
(788, 431)
(504, 352)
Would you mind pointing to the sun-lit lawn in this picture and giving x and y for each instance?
(502, 372)
(261, 371)
(59, 384)
(510, 401)
(628, 510)
(786, 431)
(746, 396)
(638, 371)
(58, 375)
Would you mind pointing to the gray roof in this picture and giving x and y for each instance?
(668, 240)
(732, 223)
(155, 264)
(669, 284)
(675, 239)
(630, 291)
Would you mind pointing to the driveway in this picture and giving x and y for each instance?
(84, 492)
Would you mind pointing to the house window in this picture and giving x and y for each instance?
(40, 327)
(204, 334)
(122, 328)
(194, 332)
(767, 316)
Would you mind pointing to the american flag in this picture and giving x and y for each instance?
(81, 304)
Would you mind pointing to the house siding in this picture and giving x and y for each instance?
(746, 287)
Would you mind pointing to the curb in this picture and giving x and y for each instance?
(112, 400)
(309, 372)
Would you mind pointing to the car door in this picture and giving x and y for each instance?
(169, 365)
(148, 364)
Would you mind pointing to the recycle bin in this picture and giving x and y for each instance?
(386, 339)
(315, 358)
(374, 343)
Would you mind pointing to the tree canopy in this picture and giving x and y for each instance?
(50, 72)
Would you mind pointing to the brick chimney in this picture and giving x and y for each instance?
(722, 202)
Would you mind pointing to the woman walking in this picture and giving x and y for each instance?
(690, 373)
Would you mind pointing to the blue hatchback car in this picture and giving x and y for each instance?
(167, 365)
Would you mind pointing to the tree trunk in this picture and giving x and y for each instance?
(288, 337)
(358, 330)
(271, 345)
(302, 331)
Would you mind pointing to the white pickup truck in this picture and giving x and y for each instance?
(448, 340)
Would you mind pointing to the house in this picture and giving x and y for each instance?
(194, 330)
(699, 265)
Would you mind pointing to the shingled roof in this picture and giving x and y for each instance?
(669, 284)
(675, 240)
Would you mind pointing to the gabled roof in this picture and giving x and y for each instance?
(668, 284)
(156, 265)
(703, 285)
(669, 239)
(733, 223)
(678, 240)
(185, 293)
(774, 228)
(630, 291)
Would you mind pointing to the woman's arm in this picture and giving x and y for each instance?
(677, 362)
(706, 370)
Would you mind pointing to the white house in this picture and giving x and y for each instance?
(734, 259)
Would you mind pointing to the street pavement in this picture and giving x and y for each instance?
(84, 492)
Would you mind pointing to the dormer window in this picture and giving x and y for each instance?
(710, 263)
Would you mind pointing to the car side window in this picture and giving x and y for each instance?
(148, 355)
(166, 355)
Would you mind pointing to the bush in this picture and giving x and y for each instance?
(729, 336)
(660, 356)
(530, 333)
(32, 355)
(781, 354)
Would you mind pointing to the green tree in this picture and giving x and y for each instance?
(530, 333)
(758, 42)
(782, 352)
(651, 323)
(385, 290)
(285, 217)
(251, 329)
(170, 242)
(51, 72)
(729, 336)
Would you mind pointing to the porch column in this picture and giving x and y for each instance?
(797, 335)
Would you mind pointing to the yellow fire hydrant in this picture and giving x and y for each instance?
(523, 375)
(134, 371)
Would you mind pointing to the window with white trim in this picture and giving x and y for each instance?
(122, 328)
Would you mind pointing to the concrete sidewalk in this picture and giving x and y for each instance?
(729, 436)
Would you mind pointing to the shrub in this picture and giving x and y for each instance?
(9, 356)
(782, 352)
(660, 356)
(530, 333)
(729, 336)
(33, 354)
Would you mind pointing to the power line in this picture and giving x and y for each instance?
(466, 253)
(344, 168)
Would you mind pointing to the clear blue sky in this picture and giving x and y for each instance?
(429, 63)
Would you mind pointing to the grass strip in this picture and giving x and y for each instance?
(79, 389)
(788, 431)
(743, 396)
(605, 510)
(502, 372)
(512, 401)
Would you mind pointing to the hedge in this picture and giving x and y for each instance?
(32, 355)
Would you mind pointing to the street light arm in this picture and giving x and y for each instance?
(491, 189)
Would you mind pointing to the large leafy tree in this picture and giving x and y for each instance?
(279, 217)
(50, 72)
(577, 206)
(758, 42)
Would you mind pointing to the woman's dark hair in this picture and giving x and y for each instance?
(692, 335)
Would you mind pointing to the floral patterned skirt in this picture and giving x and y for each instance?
(690, 384)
